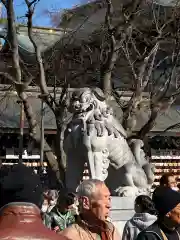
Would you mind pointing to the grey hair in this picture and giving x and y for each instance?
(88, 187)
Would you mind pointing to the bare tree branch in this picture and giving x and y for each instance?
(107, 67)
(42, 79)
(13, 39)
(174, 126)
(4, 2)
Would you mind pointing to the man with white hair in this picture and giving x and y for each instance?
(94, 207)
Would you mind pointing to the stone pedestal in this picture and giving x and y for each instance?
(122, 210)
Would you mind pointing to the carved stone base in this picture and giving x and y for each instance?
(132, 191)
(122, 210)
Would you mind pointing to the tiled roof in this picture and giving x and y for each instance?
(44, 37)
(10, 113)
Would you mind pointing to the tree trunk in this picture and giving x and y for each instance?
(131, 110)
(106, 73)
(35, 133)
(150, 124)
(106, 84)
(60, 152)
(59, 141)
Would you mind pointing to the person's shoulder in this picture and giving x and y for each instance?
(178, 229)
(49, 234)
(55, 236)
(53, 210)
(70, 232)
(43, 231)
(148, 235)
(110, 224)
(144, 236)
(129, 224)
(60, 237)
(113, 229)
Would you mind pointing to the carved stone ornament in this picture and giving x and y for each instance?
(95, 137)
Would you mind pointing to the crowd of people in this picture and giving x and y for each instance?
(30, 212)
(156, 218)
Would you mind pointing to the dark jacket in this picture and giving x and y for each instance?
(136, 224)
(23, 221)
(153, 232)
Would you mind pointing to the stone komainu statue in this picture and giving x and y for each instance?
(96, 137)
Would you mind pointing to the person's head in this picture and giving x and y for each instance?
(65, 201)
(167, 204)
(94, 199)
(73, 207)
(168, 180)
(21, 184)
(52, 197)
(45, 205)
(144, 204)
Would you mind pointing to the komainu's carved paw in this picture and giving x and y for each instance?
(132, 191)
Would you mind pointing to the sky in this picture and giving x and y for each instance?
(41, 19)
